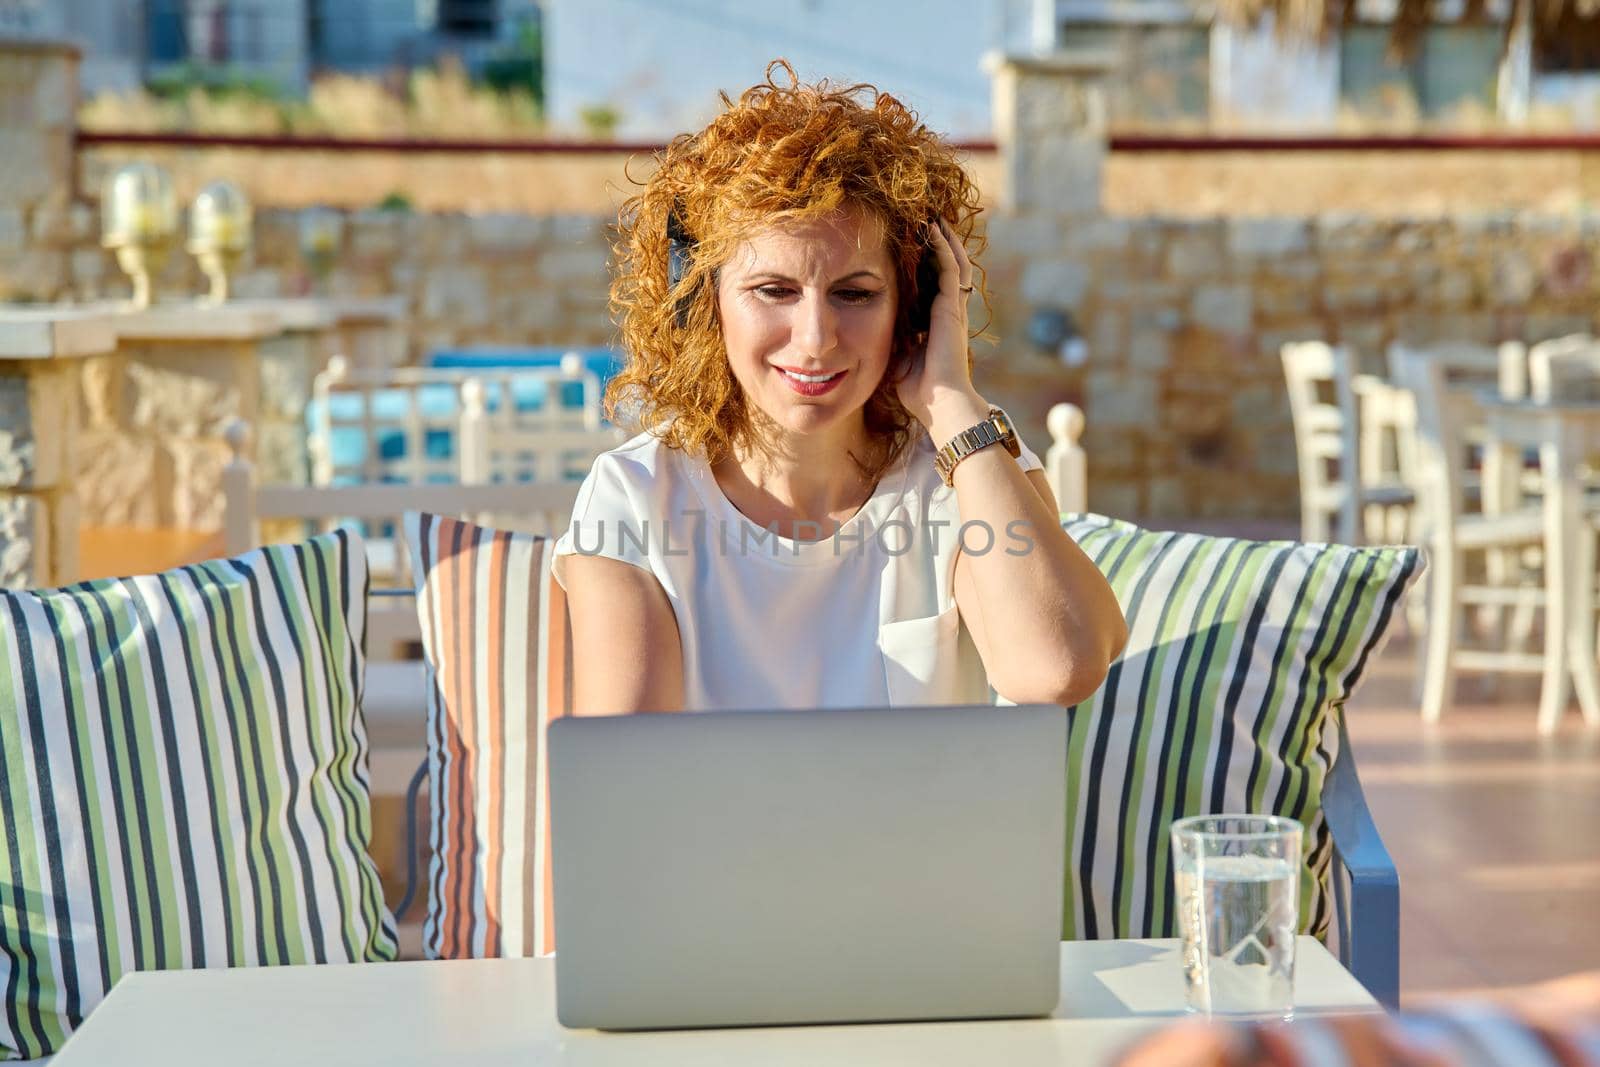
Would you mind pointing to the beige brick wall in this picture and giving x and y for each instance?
(39, 219)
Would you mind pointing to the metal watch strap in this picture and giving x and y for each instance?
(963, 445)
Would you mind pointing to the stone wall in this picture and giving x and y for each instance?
(40, 223)
(1187, 415)
(1182, 386)
(466, 279)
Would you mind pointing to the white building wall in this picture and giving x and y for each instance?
(661, 63)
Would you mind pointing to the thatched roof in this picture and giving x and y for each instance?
(1568, 28)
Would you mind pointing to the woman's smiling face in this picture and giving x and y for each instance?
(808, 315)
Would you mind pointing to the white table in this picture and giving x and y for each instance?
(1565, 435)
(502, 1012)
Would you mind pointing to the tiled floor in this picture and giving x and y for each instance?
(1495, 831)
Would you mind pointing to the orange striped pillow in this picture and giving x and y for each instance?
(498, 672)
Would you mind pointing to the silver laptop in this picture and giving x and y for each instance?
(756, 868)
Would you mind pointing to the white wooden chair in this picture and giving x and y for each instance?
(1352, 484)
(1447, 420)
(1565, 370)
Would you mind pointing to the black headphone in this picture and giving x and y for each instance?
(680, 254)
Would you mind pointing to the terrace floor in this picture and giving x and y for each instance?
(1495, 831)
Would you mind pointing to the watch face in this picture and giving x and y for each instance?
(1008, 433)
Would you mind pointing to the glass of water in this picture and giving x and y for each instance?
(1238, 896)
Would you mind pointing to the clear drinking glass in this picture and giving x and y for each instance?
(1238, 895)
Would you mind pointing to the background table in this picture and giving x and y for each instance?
(489, 1013)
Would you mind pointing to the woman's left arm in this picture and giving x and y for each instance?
(1041, 614)
(1043, 617)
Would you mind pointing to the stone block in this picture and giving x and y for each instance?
(528, 310)
(1267, 238)
(1301, 270)
(1365, 336)
(1196, 254)
(1352, 295)
(507, 233)
(65, 521)
(1059, 175)
(48, 165)
(1149, 349)
(38, 427)
(1102, 235)
(33, 275)
(1260, 404)
(1456, 287)
(82, 224)
(1115, 448)
(55, 95)
(377, 234)
(1023, 235)
(13, 230)
(1115, 398)
(1105, 332)
(25, 542)
(577, 229)
(1224, 308)
(88, 267)
(122, 479)
(583, 264)
(101, 383)
(1059, 282)
(1285, 301)
(197, 501)
(1120, 500)
(282, 455)
(459, 293)
(1514, 280)
(1348, 233)
(1167, 498)
(190, 390)
(288, 364)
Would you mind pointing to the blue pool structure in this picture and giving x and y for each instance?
(347, 442)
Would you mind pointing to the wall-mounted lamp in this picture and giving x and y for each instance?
(321, 233)
(219, 233)
(1054, 332)
(139, 220)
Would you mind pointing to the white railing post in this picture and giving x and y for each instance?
(238, 491)
(1066, 467)
(473, 438)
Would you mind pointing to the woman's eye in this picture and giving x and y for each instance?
(773, 292)
(856, 296)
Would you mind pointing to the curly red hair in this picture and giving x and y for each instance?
(783, 153)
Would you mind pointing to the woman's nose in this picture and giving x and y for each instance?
(814, 328)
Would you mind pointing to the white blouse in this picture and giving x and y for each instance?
(858, 617)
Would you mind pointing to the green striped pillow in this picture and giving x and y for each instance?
(183, 779)
(1239, 654)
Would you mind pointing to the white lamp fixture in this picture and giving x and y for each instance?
(139, 219)
(219, 234)
(321, 233)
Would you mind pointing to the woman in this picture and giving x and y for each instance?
(780, 536)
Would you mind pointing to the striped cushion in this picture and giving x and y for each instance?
(1239, 654)
(183, 779)
(496, 674)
